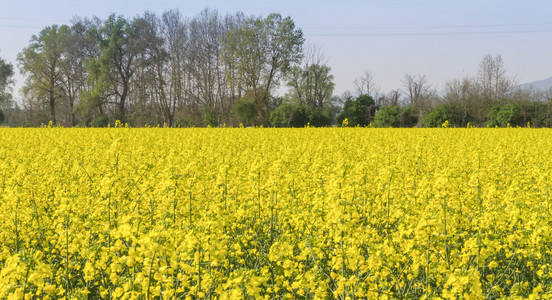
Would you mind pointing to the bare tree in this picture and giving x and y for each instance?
(171, 76)
(392, 98)
(365, 86)
(420, 95)
(464, 94)
(75, 47)
(495, 84)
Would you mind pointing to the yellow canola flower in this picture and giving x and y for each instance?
(311, 213)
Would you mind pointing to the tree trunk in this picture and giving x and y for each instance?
(52, 106)
(122, 103)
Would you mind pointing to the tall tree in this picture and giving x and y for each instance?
(171, 74)
(112, 72)
(209, 87)
(39, 62)
(495, 84)
(262, 50)
(365, 85)
(419, 93)
(76, 49)
(6, 81)
(311, 84)
(464, 95)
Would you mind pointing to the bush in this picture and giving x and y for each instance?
(445, 112)
(245, 111)
(289, 115)
(209, 117)
(320, 117)
(100, 121)
(538, 114)
(518, 113)
(387, 116)
(502, 114)
(407, 118)
(296, 115)
(1, 116)
(359, 111)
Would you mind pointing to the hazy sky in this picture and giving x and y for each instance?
(441, 39)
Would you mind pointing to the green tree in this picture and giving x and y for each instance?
(39, 62)
(289, 115)
(387, 116)
(407, 117)
(502, 114)
(359, 111)
(76, 49)
(244, 110)
(452, 113)
(6, 80)
(261, 50)
(112, 71)
(518, 113)
(310, 85)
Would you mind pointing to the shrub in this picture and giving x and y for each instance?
(359, 111)
(244, 111)
(445, 112)
(100, 121)
(387, 116)
(289, 115)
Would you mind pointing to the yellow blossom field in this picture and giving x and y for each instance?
(310, 213)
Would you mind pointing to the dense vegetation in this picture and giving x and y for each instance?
(218, 70)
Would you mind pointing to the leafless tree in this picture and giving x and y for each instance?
(495, 84)
(392, 98)
(365, 85)
(420, 95)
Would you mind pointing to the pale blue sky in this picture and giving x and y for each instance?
(441, 39)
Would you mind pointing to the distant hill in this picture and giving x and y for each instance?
(544, 84)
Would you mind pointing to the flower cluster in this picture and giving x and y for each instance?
(332, 213)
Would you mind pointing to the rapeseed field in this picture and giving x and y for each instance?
(311, 213)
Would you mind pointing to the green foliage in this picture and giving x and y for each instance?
(320, 117)
(6, 74)
(395, 116)
(538, 114)
(445, 112)
(245, 111)
(209, 117)
(297, 115)
(407, 117)
(311, 85)
(261, 50)
(503, 115)
(387, 116)
(289, 115)
(189, 119)
(40, 60)
(275, 102)
(1, 116)
(111, 72)
(100, 121)
(518, 113)
(359, 111)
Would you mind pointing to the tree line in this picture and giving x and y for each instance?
(216, 70)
